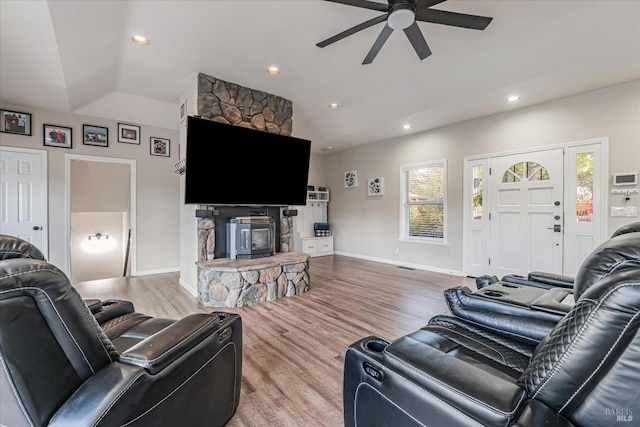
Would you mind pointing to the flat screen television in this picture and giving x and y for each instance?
(231, 165)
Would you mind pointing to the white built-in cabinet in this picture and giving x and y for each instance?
(316, 210)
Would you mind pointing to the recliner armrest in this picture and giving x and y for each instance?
(160, 349)
(555, 300)
(555, 280)
(482, 395)
(517, 321)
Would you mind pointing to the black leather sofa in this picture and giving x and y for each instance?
(545, 280)
(584, 372)
(529, 313)
(60, 367)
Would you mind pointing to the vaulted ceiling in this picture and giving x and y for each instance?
(77, 56)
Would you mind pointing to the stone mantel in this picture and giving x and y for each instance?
(228, 282)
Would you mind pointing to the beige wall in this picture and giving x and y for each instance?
(157, 186)
(369, 226)
(99, 186)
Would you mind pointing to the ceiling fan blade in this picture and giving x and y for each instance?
(454, 19)
(352, 30)
(382, 38)
(417, 40)
(421, 4)
(364, 4)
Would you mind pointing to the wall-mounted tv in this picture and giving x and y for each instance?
(231, 165)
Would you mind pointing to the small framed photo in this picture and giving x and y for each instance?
(15, 122)
(374, 186)
(129, 134)
(183, 110)
(57, 136)
(95, 135)
(160, 146)
(351, 179)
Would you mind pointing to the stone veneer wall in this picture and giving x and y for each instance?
(230, 103)
(221, 285)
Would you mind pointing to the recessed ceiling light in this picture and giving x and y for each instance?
(513, 98)
(334, 105)
(273, 70)
(407, 126)
(329, 148)
(140, 40)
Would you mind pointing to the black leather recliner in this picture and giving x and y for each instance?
(13, 247)
(527, 313)
(545, 280)
(59, 368)
(585, 372)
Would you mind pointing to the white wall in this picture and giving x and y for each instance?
(158, 223)
(369, 226)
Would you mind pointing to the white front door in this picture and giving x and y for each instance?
(23, 208)
(526, 200)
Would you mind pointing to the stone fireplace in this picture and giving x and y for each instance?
(224, 282)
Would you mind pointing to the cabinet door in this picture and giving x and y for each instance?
(310, 246)
(325, 245)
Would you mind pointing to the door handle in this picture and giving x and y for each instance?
(36, 228)
(556, 228)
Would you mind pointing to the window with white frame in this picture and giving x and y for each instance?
(423, 210)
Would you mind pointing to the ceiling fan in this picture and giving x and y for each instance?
(403, 15)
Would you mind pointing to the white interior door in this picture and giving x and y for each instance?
(526, 204)
(23, 209)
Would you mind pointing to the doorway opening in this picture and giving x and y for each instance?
(100, 217)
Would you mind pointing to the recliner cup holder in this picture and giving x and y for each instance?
(494, 294)
(376, 346)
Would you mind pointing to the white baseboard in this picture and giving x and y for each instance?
(403, 264)
(157, 271)
(192, 290)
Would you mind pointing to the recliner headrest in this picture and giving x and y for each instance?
(14, 247)
(616, 254)
(634, 227)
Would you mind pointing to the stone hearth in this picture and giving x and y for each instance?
(235, 283)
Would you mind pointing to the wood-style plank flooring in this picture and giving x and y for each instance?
(294, 347)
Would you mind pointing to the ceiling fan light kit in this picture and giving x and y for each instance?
(404, 15)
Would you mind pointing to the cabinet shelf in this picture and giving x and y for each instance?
(317, 196)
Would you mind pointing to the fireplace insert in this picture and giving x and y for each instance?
(251, 237)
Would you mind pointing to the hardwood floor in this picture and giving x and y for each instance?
(294, 347)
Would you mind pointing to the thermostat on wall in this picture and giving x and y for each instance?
(625, 178)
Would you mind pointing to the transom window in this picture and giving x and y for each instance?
(423, 189)
(525, 171)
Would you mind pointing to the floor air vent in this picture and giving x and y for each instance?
(405, 268)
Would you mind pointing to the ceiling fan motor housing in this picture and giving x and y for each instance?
(401, 16)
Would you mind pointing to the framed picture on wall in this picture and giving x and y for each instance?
(95, 135)
(15, 122)
(57, 136)
(129, 134)
(183, 110)
(374, 186)
(160, 146)
(351, 179)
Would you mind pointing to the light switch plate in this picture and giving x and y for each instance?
(624, 211)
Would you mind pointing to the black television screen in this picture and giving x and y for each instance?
(235, 166)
